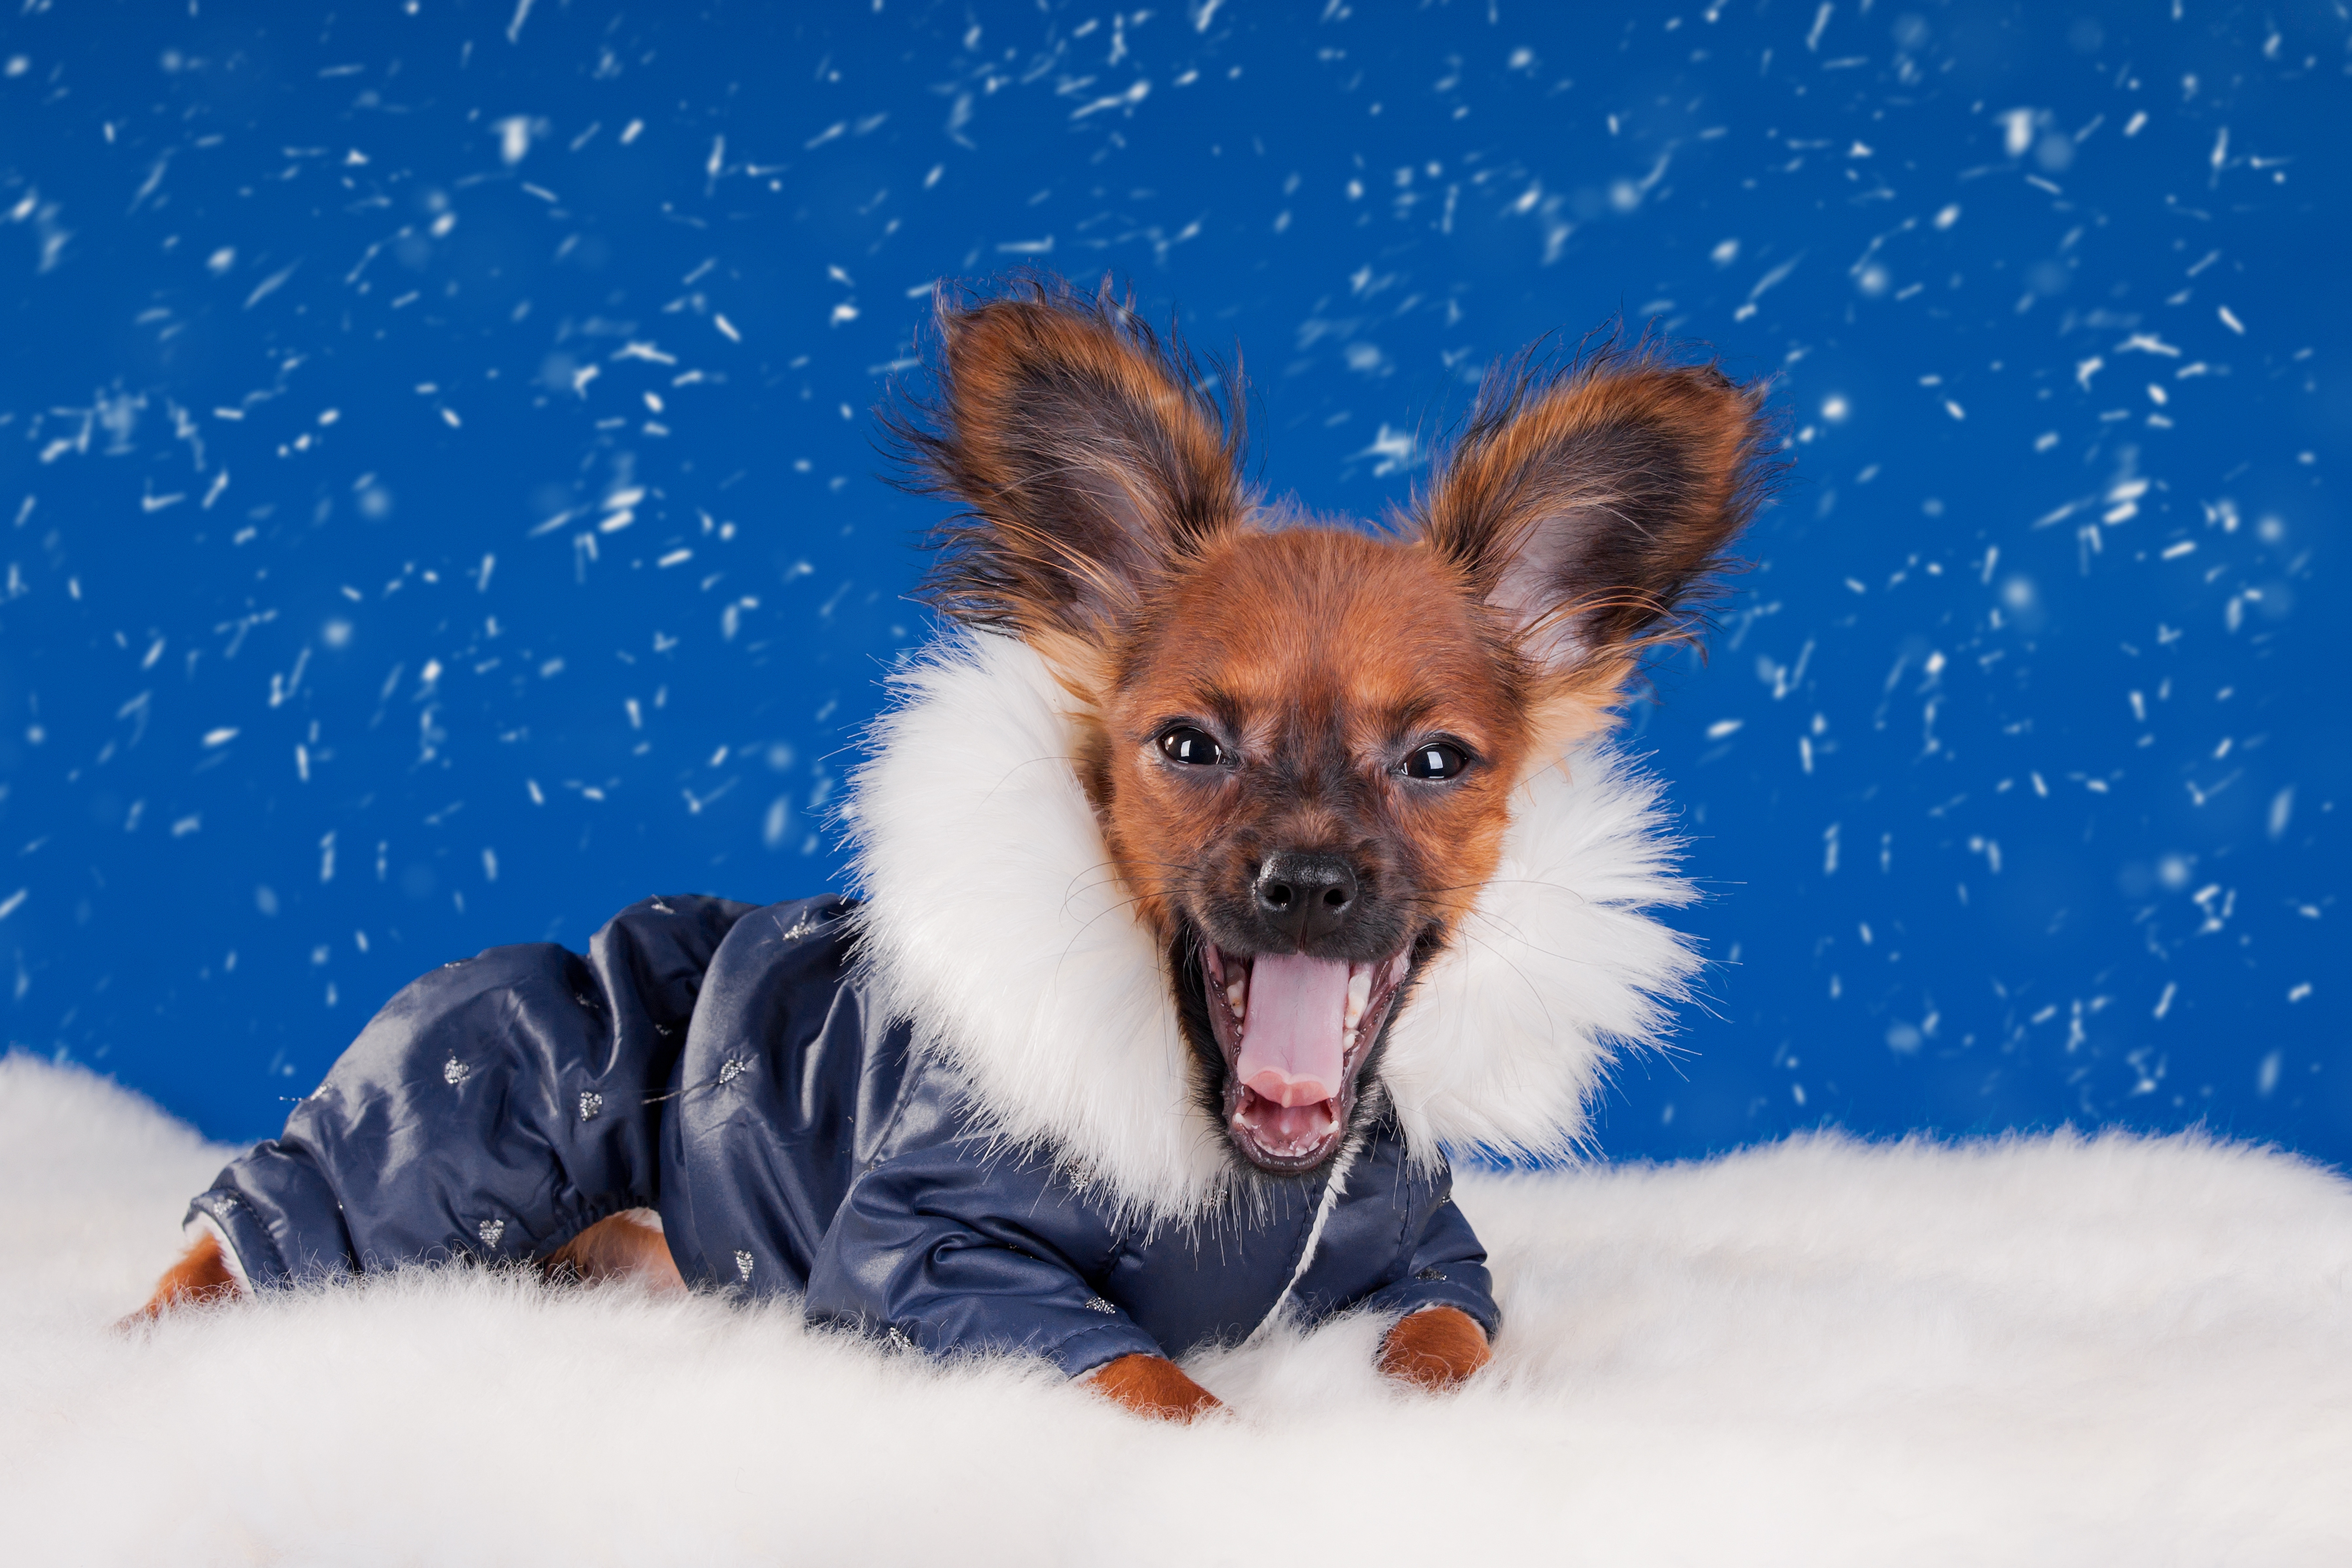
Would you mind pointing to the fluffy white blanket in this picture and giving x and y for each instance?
(2045, 1349)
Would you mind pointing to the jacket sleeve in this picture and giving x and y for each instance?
(1442, 1264)
(952, 1252)
(492, 1109)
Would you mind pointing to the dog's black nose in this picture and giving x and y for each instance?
(1306, 897)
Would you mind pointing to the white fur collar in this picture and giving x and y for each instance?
(995, 924)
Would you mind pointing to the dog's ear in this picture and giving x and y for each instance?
(1088, 459)
(1592, 507)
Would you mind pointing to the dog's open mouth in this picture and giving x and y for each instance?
(1294, 1032)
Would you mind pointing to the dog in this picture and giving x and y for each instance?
(1220, 869)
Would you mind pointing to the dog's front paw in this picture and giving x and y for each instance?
(1152, 1385)
(1435, 1348)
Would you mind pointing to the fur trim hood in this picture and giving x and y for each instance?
(996, 924)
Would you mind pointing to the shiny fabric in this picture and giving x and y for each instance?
(721, 1063)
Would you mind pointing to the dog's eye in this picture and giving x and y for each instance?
(1189, 745)
(1437, 760)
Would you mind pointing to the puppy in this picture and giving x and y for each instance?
(1218, 870)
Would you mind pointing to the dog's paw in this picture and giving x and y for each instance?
(1152, 1385)
(626, 1245)
(1435, 1348)
(201, 1275)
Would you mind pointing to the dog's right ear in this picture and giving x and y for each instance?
(1088, 459)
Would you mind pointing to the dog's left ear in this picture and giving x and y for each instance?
(1592, 507)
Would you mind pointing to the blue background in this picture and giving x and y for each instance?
(437, 503)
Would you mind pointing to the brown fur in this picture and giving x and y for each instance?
(622, 1246)
(201, 1275)
(1437, 1349)
(1152, 1385)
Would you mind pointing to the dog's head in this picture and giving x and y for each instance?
(1302, 741)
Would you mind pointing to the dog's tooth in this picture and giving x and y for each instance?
(1237, 999)
(1360, 992)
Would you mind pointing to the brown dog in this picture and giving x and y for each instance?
(1306, 752)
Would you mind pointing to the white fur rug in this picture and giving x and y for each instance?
(2102, 1350)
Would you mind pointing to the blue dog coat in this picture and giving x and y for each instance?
(723, 1065)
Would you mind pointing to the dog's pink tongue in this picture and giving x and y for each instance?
(1291, 1048)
